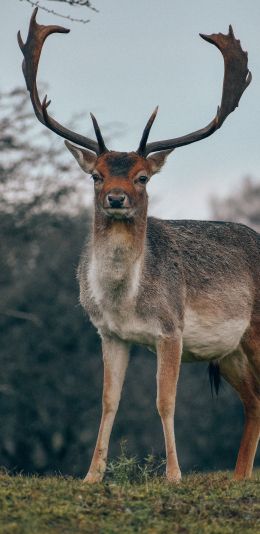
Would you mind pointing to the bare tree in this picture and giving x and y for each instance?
(242, 206)
(34, 173)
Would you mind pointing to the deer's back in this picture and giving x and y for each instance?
(210, 252)
(220, 268)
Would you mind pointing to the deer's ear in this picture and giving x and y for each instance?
(157, 160)
(85, 158)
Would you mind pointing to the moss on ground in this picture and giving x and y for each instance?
(210, 503)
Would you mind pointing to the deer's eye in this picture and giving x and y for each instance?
(97, 178)
(143, 179)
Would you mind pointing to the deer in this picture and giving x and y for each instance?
(188, 290)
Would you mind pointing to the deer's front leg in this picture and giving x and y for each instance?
(168, 366)
(115, 357)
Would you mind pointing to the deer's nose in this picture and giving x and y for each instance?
(116, 199)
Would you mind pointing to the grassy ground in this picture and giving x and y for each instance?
(133, 500)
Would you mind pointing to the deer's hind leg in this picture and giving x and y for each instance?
(237, 370)
(251, 346)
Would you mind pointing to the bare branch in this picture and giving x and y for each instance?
(75, 3)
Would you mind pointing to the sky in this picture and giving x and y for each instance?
(134, 55)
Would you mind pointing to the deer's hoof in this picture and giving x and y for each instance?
(93, 478)
(174, 477)
(239, 477)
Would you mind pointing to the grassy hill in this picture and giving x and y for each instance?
(210, 503)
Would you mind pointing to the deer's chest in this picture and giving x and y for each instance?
(129, 326)
(114, 290)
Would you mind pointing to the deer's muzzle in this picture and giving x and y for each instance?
(116, 199)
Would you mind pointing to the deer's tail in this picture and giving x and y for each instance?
(214, 377)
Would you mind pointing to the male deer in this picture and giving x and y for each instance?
(186, 289)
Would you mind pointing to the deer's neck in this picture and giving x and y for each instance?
(117, 257)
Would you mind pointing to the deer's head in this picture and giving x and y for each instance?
(120, 178)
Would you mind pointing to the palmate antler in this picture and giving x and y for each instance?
(32, 51)
(237, 77)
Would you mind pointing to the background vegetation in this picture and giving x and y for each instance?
(51, 367)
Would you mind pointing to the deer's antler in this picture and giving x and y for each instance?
(237, 77)
(32, 51)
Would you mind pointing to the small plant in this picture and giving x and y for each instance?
(123, 470)
(126, 470)
(152, 468)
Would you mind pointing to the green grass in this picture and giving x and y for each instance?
(132, 499)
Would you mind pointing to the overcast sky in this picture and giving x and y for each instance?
(136, 54)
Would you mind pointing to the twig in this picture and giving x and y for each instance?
(22, 315)
(78, 3)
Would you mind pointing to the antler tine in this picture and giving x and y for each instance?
(142, 146)
(100, 140)
(32, 51)
(237, 77)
